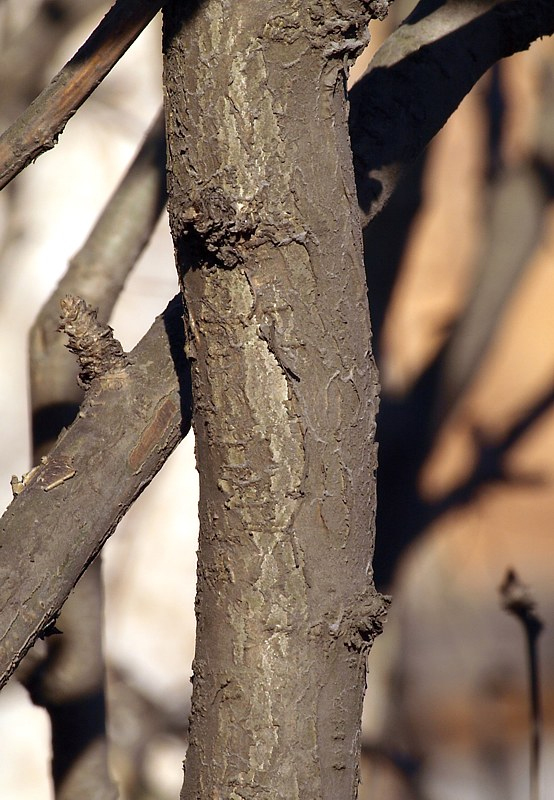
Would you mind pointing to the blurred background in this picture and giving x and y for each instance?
(461, 282)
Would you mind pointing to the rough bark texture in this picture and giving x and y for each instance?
(263, 214)
(65, 510)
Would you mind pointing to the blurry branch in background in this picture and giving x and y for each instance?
(515, 210)
(517, 600)
(518, 201)
(97, 274)
(25, 54)
(70, 683)
(40, 125)
(131, 420)
(421, 74)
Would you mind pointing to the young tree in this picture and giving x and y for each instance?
(267, 238)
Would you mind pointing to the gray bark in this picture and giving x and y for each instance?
(130, 422)
(268, 243)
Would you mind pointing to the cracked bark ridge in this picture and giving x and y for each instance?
(94, 344)
(268, 242)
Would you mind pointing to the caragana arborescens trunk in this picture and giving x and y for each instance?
(268, 244)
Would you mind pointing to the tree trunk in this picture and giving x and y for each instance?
(268, 243)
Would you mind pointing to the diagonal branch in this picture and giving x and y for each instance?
(69, 683)
(24, 55)
(126, 431)
(40, 125)
(422, 73)
(130, 422)
(96, 273)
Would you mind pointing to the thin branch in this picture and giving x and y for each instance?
(24, 55)
(519, 198)
(422, 73)
(40, 125)
(69, 684)
(65, 509)
(96, 273)
(517, 600)
(516, 206)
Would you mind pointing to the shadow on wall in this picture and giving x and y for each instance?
(460, 279)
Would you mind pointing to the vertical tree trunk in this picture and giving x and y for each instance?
(268, 243)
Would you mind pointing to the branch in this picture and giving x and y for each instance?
(519, 198)
(421, 74)
(24, 55)
(70, 682)
(517, 600)
(40, 125)
(63, 512)
(96, 274)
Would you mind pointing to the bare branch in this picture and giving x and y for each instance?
(24, 55)
(517, 600)
(40, 125)
(73, 674)
(65, 510)
(421, 74)
(96, 273)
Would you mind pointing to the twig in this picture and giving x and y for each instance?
(517, 600)
(40, 125)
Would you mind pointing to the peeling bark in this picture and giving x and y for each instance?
(268, 243)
